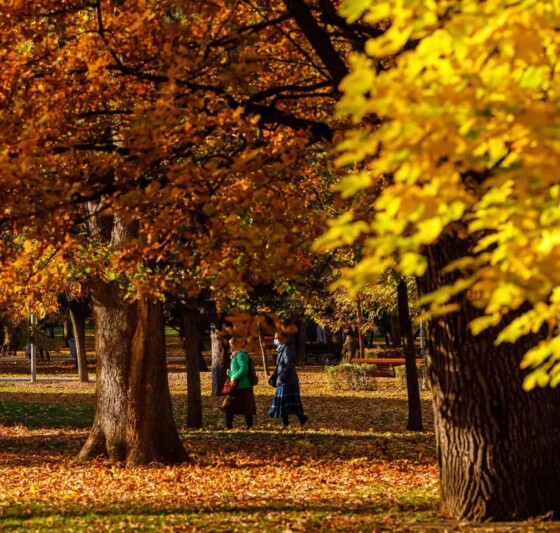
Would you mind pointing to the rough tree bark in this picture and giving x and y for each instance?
(220, 363)
(189, 319)
(412, 387)
(497, 444)
(78, 311)
(133, 418)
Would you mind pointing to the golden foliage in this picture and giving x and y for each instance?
(136, 118)
(468, 135)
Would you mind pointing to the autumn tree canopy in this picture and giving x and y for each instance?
(469, 142)
(197, 123)
(154, 147)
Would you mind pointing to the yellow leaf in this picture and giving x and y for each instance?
(352, 10)
(429, 230)
(350, 185)
(480, 324)
(412, 264)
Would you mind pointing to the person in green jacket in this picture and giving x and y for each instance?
(243, 398)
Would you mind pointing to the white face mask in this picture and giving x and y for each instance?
(276, 342)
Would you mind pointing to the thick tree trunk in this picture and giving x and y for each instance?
(78, 318)
(134, 418)
(220, 363)
(412, 387)
(497, 445)
(189, 318)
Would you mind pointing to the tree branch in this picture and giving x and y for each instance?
(318, 39)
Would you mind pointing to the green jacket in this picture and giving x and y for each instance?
(239, 370)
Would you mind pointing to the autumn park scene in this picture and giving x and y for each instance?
(282, 265)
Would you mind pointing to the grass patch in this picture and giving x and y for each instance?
(45, 415)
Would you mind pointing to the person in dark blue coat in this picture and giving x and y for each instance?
(287, 400)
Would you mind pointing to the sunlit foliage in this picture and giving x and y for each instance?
(463, 133)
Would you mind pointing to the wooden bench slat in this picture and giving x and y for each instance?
(383, 360)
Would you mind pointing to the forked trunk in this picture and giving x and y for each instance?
(497, 444)
(133, 419)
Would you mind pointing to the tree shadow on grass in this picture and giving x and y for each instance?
(53, 411)
(55, 367)
(241, 450)
(205, 512)
(327, 412)
(264, 446)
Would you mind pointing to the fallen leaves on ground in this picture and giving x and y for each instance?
(352, 468)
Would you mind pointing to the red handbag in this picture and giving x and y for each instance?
(229, 386)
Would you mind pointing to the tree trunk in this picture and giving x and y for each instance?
(220, 363)
(497, 445)
(78, 318)
(202, 366)
(189, 318)
(65, 331)
(263, 352)
(134, 418)
(396, 334)
(361, 350)
(412, 387)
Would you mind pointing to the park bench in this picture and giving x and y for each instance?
(385, 365)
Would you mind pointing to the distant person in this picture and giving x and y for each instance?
(242, 398)
(349, 349)
(287, 400)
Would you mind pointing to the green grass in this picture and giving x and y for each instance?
(232, 517)
(45, 415)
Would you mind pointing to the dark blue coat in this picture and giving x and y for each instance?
(286, 366)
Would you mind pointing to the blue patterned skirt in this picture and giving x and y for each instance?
(287, 401)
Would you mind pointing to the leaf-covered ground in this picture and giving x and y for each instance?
(353, 468)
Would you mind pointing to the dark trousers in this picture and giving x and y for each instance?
(248, 420)
(286, 420)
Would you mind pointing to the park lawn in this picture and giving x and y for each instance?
(353, 468)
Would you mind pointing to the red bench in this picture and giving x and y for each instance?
(385, 365)
(385, 360)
